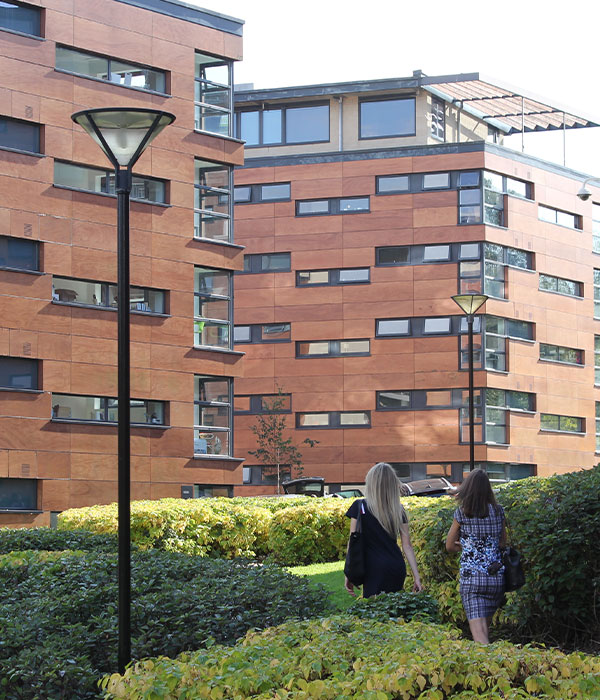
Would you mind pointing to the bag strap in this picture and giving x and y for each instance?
(361, 510)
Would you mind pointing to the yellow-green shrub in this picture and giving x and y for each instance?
(346, 657)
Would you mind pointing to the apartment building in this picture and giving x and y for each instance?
(58, 263)
(364, 207)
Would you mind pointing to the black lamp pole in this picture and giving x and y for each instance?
(123, 133)
(470, 303)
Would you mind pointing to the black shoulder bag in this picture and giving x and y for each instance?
(514, 576)
(354, 567)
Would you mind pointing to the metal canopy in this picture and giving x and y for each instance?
(517, 111)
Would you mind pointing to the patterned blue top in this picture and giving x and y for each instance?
(480, 540)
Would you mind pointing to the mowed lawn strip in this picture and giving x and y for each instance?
(331, 576)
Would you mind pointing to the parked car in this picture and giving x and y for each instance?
(428, 487)
(347, 493)
(305, 486)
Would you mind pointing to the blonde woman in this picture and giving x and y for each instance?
(383, 519)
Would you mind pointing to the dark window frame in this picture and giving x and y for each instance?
(260, 110)
(106, 408)
(35, 257)
(226, 405)
(30, 367)
(578, 285)
(256, 404)
(438, 119)
(257, 335)
(581, 424)
(334, 348)
(256, 193)
(105, 286)
(211, 296)
(199, 104)
(387, 98)
(255, 260)
(334, 421)
(202, 190)
(334, 206)
(577, 219)
(333, 277)
(36, 128)
(36, 10)
(109, 59)
(28, 501)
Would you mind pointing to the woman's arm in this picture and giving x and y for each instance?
(348, 585)
(453, 538)
(409, 553)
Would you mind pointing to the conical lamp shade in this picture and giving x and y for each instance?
(123, 133)
(471, 302)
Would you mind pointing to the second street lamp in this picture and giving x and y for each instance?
(123, 133)
(470, 303)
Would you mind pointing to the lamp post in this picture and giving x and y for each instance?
(123, 133)
(470, 303)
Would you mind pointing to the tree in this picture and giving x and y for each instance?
(275, 450)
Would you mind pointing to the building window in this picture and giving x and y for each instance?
(19, 254)
(265, 475)
(558, 353)
(496, 331)
(562, 424)
(212, 415)
(502, 471)
(18, 373)
(359, 275)
(212, 491)
(112, 70)
(105, 410)
(102, 294)
(262, 403)
(596, 228)
(438, 119)
(393, 400)
(597, 360)
(334, 419)
(392, 184)
(212, 308)
(267, 262)
(597, 294)
(213, 101)
(558, 285)
(424, 254)
(20, 18)
(556, 216)
(333, 348)
(212, 201)
(284, 125)
(18, 135)
(79, 177)
(263, 333)
(436, 326)
(392, 327)
(436, 181)
(393, 255)
(597, 426)
(384, 118)
(252, 194)
(332, 206)
(469, 197)
(18, 494)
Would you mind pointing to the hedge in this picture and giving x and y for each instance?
(346, 657)
(58, 613)
(43, 538)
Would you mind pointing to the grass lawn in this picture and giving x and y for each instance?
(331, 576)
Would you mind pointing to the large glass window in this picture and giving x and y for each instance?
(391, 184)
(392, 326)
(305, 278)
(284, 125)
(212, 201)
(438, 119)
(334, 419)
(597, 360)
(213, 94)
(334, 205)
(18, 373)
(263, 333)
(103, 294)
(558, 353)
(212, 415)
(106, 410)
(597, 294)
(596, 227)
(19, 254)
(332, 348)
(387, 118)
(212, 308)
(556, 216)
(568, 424)
(263, 403)
(252, 194)
(267, 262)
(79, 177)
(597, 426)
(19, 135)
(112, 70)
(18, 17)
(18, 494)
(548, 283)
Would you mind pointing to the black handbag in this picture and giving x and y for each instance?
(354, 568)
(514, 576)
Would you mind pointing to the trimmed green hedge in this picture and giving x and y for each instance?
(15, 540)
(345, 657)
(393, 606)
(58, 613)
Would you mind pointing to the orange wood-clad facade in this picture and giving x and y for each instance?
(75, 463)
(420, 440)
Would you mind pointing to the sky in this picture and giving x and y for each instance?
(545, 49)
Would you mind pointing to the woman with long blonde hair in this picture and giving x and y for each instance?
(383, 520)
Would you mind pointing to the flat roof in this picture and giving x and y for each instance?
(191, 13)
(513, 109)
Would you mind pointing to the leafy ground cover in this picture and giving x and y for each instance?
(59, 620)
(349, 657)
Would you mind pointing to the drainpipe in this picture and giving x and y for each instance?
(340, 99)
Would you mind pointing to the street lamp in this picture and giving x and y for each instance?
(584, 194)
(123, 133)
(470, 303)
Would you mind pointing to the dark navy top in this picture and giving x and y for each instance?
(384, 563)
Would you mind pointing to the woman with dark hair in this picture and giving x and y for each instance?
(383, 519)
(478, 532)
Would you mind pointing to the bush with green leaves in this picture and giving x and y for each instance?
(347, 657)
(44, 538)
(58, 613)
(393, 606)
